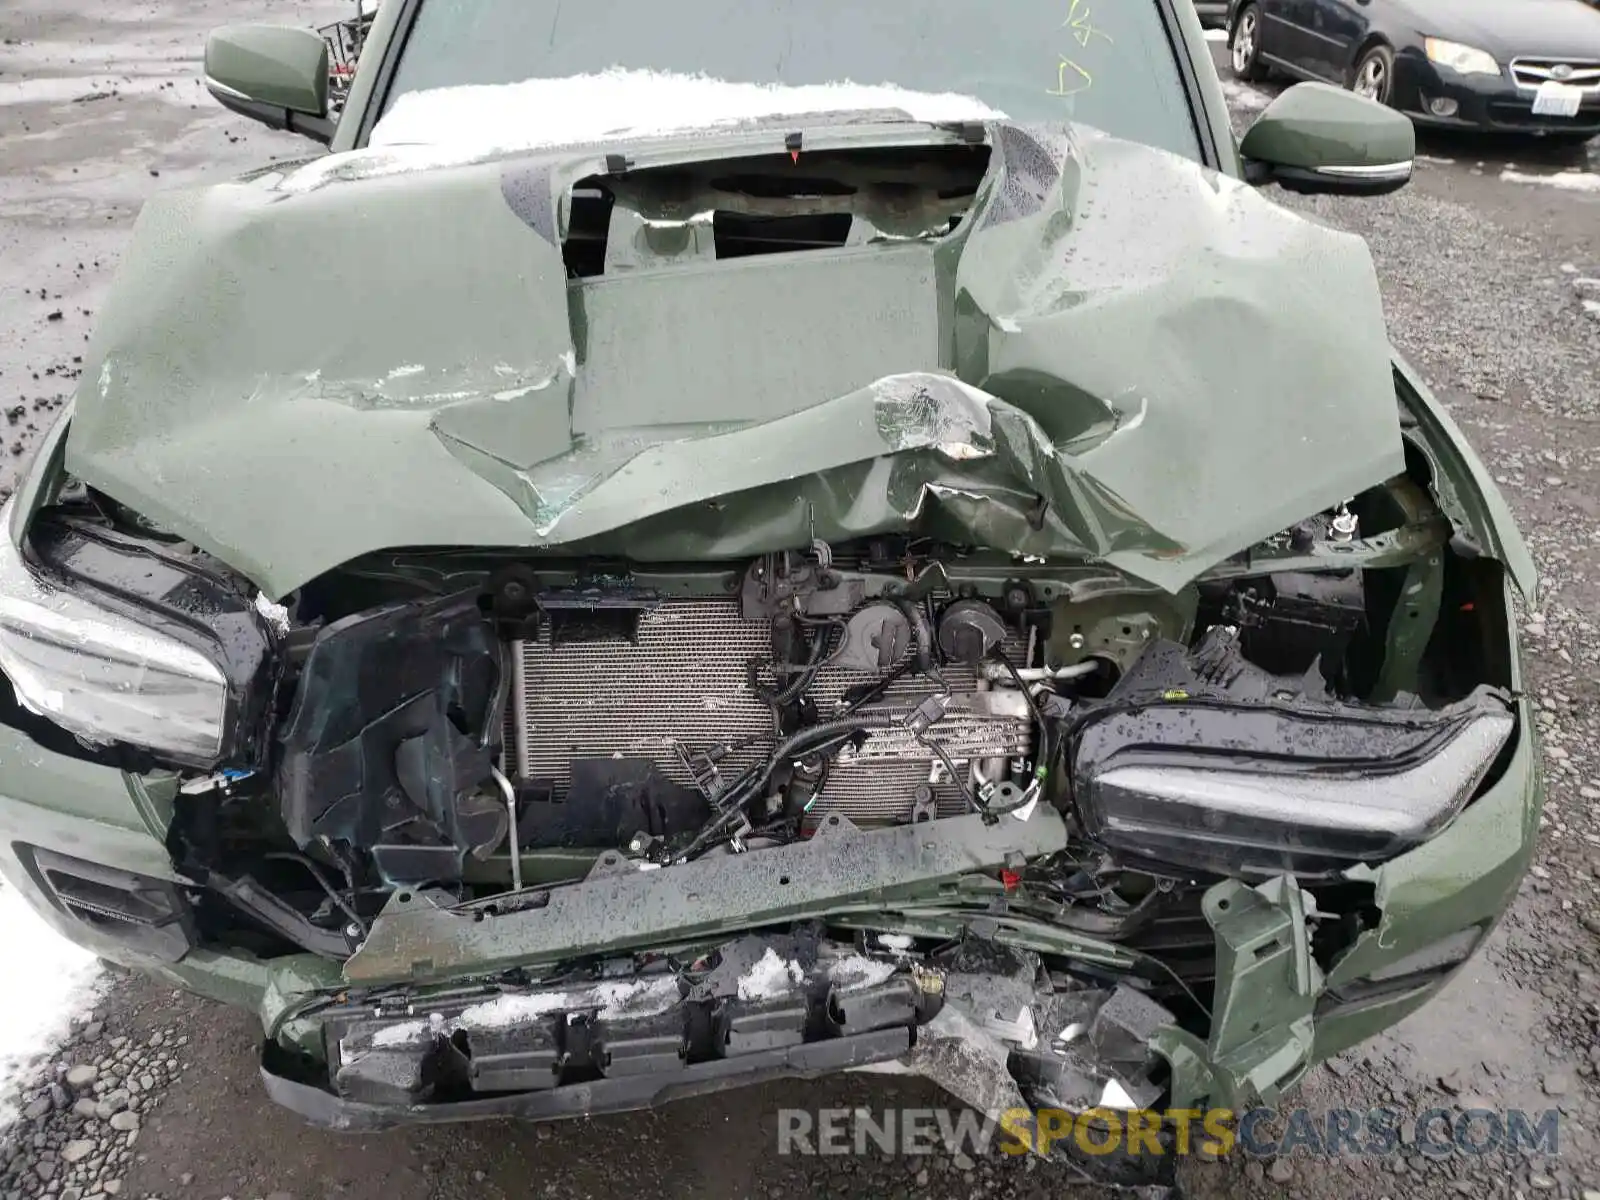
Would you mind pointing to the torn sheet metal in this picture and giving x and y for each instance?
(1115, 356)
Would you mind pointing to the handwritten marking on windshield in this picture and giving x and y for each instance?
(1071, 78)
(1080, 21)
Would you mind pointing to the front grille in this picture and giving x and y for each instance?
(684, 684)
(1579, 73)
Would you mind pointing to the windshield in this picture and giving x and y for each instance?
(583, 70)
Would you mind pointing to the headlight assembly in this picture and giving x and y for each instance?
(101, 675)
(1270, 814)
(1464, 60)
(1235, 772)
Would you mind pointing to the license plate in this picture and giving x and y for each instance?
(1557, 100)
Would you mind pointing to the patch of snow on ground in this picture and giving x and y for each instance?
(1216, 35)
(1244, 98)
(1567, 181)
(52, 982)
(620, 103)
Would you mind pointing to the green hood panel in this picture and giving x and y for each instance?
(1118, 354)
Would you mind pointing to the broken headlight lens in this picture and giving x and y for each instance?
(101, 675)
(1314, 796)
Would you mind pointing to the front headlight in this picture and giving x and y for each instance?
(1464, 60)
(101, 675)
(1326, 808)
(1309, 787)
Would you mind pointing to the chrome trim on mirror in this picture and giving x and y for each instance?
(1397, 170)
(217, 88)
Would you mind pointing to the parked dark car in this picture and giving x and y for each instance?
(1529, 67)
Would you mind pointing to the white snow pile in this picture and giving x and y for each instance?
(855, 972)
(771, 975)
(621, 103)
(1567, 181)
(50, 982)
(453, 126)
(613, 999)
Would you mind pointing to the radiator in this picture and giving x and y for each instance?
(684, 683)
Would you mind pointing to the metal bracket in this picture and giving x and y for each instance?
(1410, 625)
(702, 767)
(834, 825)
(1266, 989)
(611, 863)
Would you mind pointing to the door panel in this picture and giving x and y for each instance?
(1285, 30)
(1279, 37)
(1337, 28)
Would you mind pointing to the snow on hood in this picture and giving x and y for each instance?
(629, 104)
(454, 126)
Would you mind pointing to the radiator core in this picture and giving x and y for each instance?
(685, 682)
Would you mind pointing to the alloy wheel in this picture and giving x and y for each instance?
(1372, 80)
(1244, 42)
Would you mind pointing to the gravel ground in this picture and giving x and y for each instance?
(81, 1123)
(1490, 289)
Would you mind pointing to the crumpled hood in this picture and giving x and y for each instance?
(1118, 354)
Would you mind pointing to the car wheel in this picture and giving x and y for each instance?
(1244, 46)
(1374, 75)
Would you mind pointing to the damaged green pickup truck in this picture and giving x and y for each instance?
(649, 567)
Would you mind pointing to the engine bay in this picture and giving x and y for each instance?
(472, 727)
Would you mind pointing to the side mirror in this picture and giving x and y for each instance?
(1318, 138)
(275, 74)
